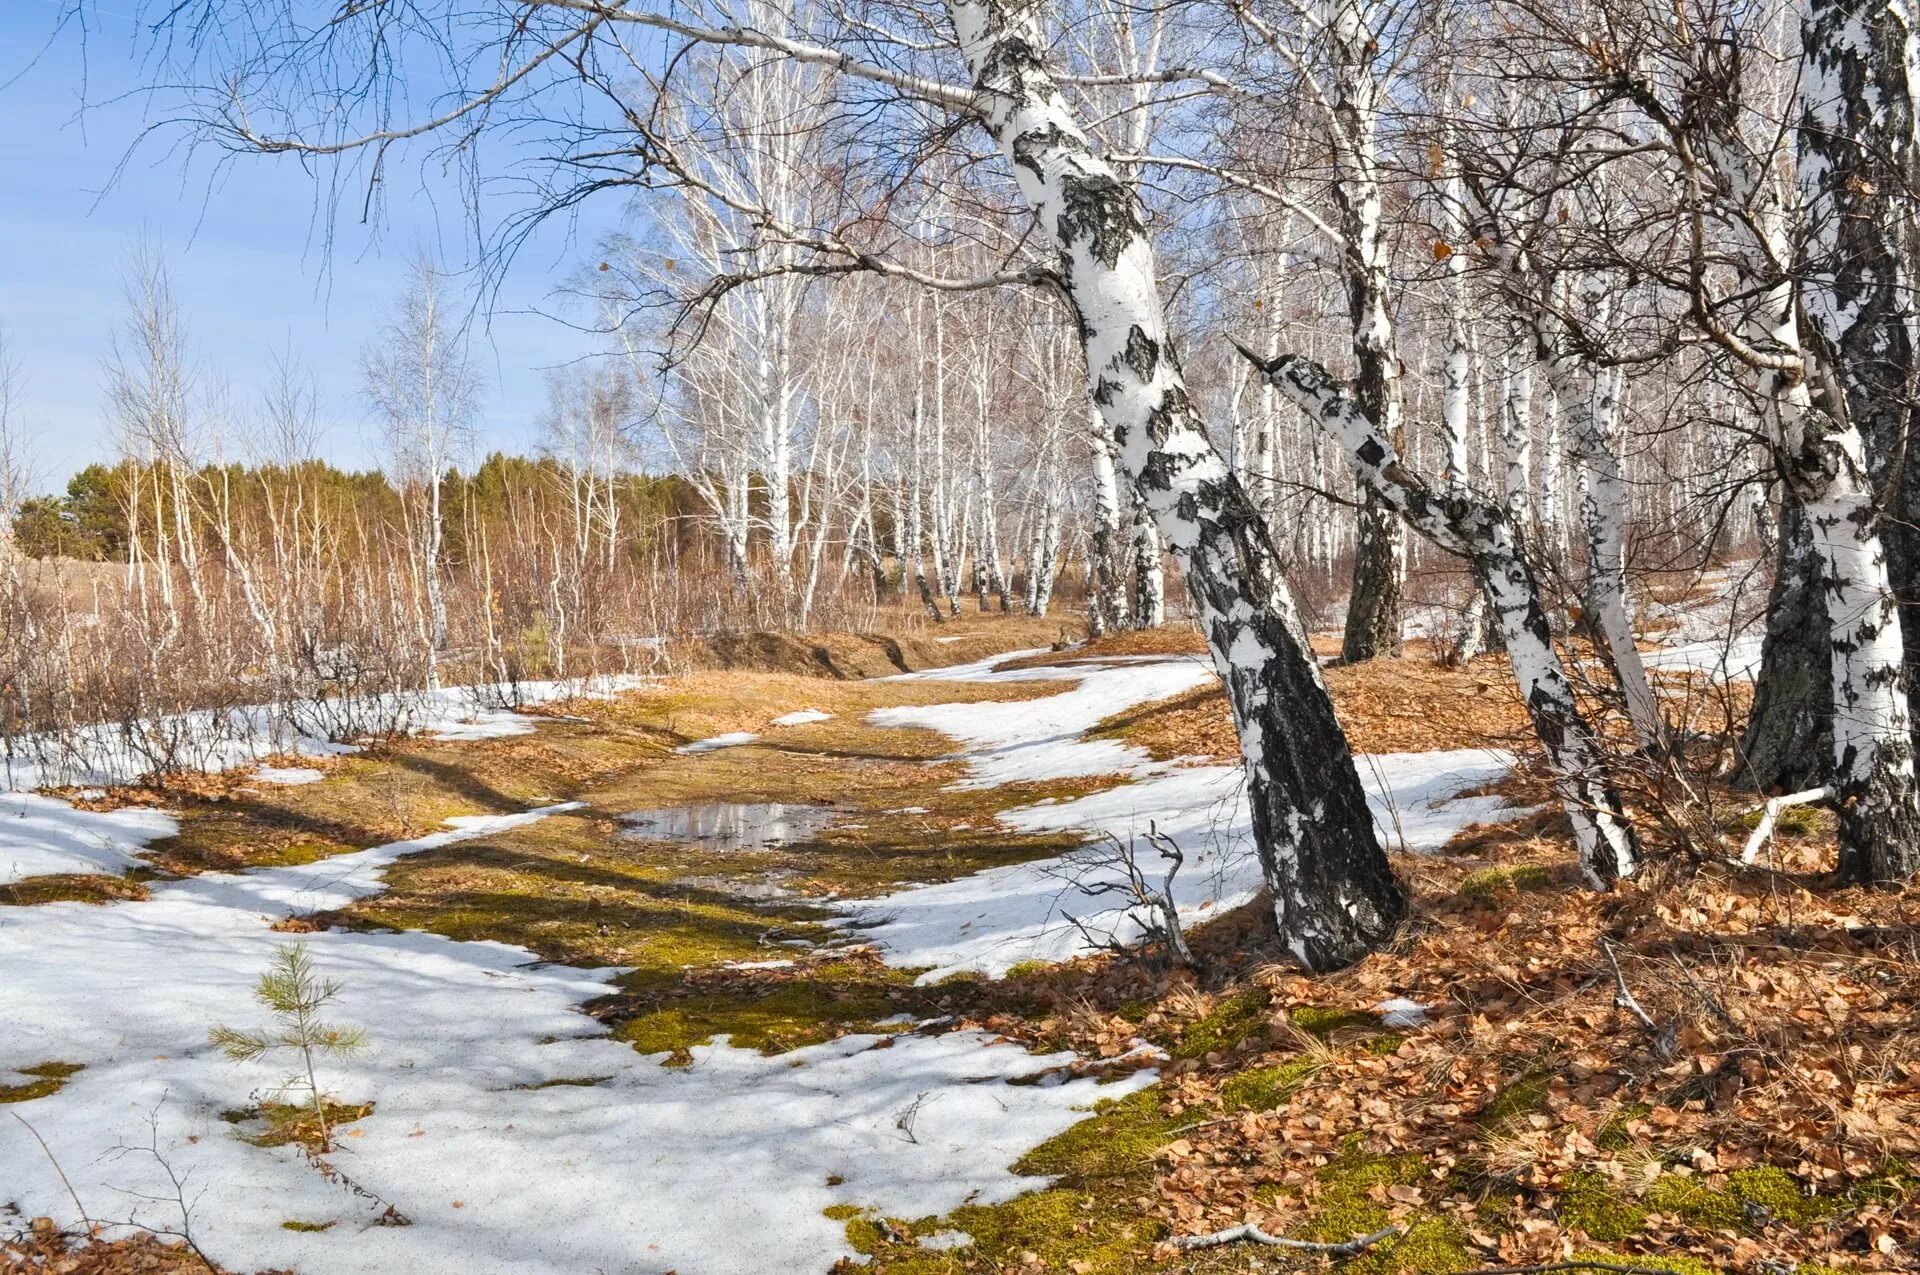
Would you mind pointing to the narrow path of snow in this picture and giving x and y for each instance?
(1724, 660)
(1008, 741)
(723, 1166)
(288, 776)
(713, 743)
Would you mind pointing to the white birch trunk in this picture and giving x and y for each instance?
(1333, 893)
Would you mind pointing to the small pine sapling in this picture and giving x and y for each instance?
(296, 996)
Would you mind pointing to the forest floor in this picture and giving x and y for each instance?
(624, 1016)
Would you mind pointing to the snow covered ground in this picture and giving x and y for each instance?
(40, 836)
(996, 919)
(722, 1166)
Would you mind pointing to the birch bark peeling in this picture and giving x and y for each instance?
(1334, 894)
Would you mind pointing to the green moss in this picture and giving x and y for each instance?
(48, 1078)
(1232, 1020)
(841, 1212)
(1119, 1141)
(1084, 1220)
(305, 1227)
(1345, 1207)
(1485, 883)
(569, 1082)
(773, 1020)
(1323, 1021)
(1522, 1097)
(1591, 1203)
(1694, 1203)
(1752, 1198)
(1264, 1088)
(1022, 969)
(1066, 1229)
(864, 1234)
(1781, 1195)
(1677, 1265)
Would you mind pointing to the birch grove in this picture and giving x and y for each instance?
(1134, 316)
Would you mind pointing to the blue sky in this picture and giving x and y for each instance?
(245, 245)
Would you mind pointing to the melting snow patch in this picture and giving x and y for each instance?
(288, 775)
(802, 718)
(946, 1239)
(714, 743)
(996, 919)
(1398, 1011)
(42, 835)
(470, 1138)
(1041, 738)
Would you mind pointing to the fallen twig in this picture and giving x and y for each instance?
(1663, 1037)
(1574, 1265)
(1254, 1235)
(86, 1220)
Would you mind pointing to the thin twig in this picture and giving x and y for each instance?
(1254, 1235)
(1623, 999)
(85, 1220)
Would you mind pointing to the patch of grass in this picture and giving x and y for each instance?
(48, 1078)
(75, 887)
(1324, 1020)
(1487, 883)
(1677, 1265)
(1519, 1099)
(786, 1016)
(1237, 1016)
(306, 1228)
(1613, 1135)
(279, 1124)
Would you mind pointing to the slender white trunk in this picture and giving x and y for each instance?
(1478, 530)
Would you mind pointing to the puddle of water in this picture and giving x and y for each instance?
(726, 825)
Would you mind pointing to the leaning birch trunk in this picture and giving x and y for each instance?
(1479, 530)
(1334, 895)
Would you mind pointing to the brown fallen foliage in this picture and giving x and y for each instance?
(42, 1250)
(1533, 1116)
(1407, 705)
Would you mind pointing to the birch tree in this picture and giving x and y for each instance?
(423, 386)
